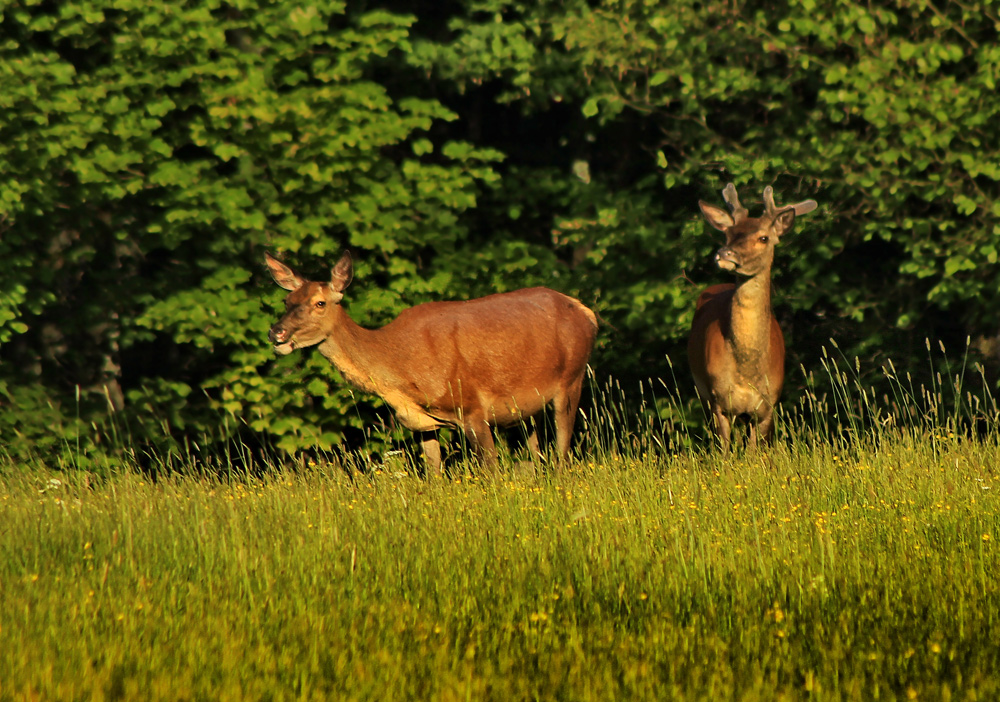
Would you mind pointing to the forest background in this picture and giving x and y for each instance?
(150, 154)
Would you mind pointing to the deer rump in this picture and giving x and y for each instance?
(498, 359)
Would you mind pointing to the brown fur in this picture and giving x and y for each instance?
(493, 361)
(736, 349)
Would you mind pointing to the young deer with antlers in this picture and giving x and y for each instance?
(494, 361)
(736, 349)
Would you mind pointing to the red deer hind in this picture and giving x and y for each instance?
(494, 361)
(736, 349)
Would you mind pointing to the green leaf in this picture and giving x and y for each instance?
(422, 147)
(964, 204)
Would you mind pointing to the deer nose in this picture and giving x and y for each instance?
(726, 259)
(278, 334)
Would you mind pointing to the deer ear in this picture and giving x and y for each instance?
(716, 216)
(282, 274)
(783, 221)
(342, 273)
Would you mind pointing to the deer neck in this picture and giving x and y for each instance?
(751, 319)
(356, 352)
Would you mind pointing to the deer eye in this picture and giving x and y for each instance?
(764, 239)
(321, 303)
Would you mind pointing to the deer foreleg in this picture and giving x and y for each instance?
(531, 426)
(764, 428)
(480, 438)
(723, 427)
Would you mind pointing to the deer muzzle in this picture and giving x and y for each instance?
(727, 259)
(280, 337)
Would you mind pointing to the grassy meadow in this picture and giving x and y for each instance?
(861, 569)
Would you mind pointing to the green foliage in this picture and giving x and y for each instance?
(148, 155)
(47, 429)
(886, 114)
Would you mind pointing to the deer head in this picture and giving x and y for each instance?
(750, 241)
(308, 317)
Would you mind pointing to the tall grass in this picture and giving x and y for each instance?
(854, 560)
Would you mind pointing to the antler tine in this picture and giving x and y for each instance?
(769, 207)
(804, 207)
(738, 211)
(800, 208)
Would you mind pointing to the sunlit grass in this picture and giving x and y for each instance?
(804, 573)
(854, 560)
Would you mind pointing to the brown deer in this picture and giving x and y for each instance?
(736, 349)
(493, 361)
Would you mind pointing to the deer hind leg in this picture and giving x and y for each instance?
(433, 466)
(565, 405)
